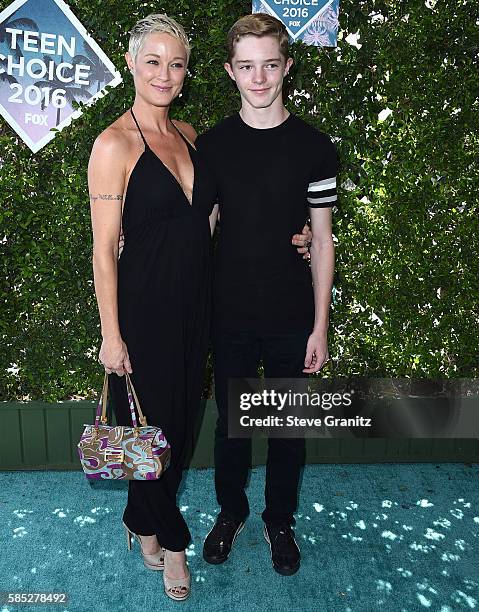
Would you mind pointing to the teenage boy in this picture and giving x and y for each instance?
(268, 305)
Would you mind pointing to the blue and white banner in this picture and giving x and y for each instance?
(47, 61)
(315, 22)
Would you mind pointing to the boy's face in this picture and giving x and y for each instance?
(258, 68)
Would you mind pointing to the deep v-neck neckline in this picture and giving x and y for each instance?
(173, 175)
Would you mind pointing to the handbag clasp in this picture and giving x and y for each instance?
(117, 454)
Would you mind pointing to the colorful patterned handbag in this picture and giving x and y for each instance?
(123, 452)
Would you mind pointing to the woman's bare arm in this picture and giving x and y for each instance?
(106, 183)
(214, 217)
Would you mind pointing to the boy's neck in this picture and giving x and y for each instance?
(264, 118)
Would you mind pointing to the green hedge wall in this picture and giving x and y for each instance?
(407, 283)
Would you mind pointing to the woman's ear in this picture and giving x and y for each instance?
(129, 62)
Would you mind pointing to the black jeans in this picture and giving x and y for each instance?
(238, 356)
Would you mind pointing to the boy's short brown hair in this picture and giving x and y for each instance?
(258, 24)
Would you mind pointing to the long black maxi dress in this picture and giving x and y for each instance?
(164, 318)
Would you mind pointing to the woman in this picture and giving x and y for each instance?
(154, 301)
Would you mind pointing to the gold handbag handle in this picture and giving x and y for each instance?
(104, 399)
(141, 416)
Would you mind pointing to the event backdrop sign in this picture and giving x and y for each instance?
(315, 22)
(47, 61)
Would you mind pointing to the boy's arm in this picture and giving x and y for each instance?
(321, 198)
(322, 272)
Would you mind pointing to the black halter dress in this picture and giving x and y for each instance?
(164, 317)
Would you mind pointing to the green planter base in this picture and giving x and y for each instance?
(42, 436)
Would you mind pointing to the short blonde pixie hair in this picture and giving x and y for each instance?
(258, 24)
(160, 23)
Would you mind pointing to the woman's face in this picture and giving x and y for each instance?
(159, 68)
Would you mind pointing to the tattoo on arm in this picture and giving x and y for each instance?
(104, 196)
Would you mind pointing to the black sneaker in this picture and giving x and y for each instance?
(220, 539)
(285, 553)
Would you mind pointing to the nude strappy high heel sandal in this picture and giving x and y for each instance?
(178, 589)
(154, 561)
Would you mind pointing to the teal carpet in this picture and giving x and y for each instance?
(395, 537)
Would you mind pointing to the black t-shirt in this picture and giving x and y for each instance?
(267, 179)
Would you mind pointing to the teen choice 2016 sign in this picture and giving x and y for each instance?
(47, 62)
(315, 22)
